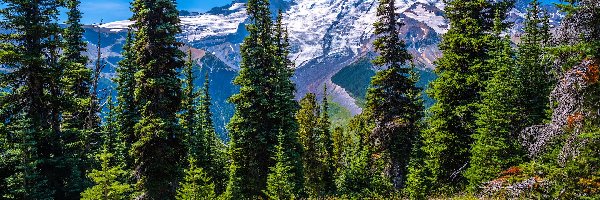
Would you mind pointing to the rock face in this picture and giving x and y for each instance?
(567, 114)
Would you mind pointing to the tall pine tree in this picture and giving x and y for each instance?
(264, 106)
(389, 101)
(158, 148)
(127, 113)
(462, 74)
(535, 65)
(495, 146)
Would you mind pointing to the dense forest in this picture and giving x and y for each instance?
(512, 118)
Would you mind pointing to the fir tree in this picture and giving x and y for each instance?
(107, 185)
(310, 136)
(280, 183)
(22, 154)
(495, 148)
(197, 185)
(326, 138)
(534, 71)
(389, 99)
(188, 115)
(158, 148)
(32, 83)
(263, 107)
(216, 151)
(462, 74)
(127, 113)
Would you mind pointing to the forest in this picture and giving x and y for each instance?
(512, 118)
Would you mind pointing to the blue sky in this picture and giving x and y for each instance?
(113, 10)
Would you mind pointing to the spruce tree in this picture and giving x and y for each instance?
(280, 183)
(310, 136)
(495, 147)
(196, 185)
(264, 106)
(32, 83)
(535, 64)
(216, 166)
(462, 73)
(326, 139)
(127, 113)
(158, 148)
(107, 180)
(188, 117)
(389, 97)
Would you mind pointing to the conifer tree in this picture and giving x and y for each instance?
(535, 64)
(326, 138)
(495, 147)
(196, 185)
(462, 73)
(280, 183)
(263, 107)
(32, 83)
(158, 148)
(127, 113)
(193, 139)
(216, 166)
(389, 99)
(77, 77)
(310, 136)
(22, 155)
(107, 180)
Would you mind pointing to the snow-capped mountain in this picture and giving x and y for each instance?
(326, 37)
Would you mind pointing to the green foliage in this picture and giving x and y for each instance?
(264, 105)
(355, 78)
(127, 113)
(534, 68)
(393, 100)
(158, 147)
(196, 185)
(494, 148)
(107, 180)
(280, 182)
(462, 73)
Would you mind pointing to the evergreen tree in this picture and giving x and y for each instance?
(216, 151)
(389, 98)
(193, 139)
(32, 83)
(462, 74)
(280, 183)
(263, 107)
(535, 64)
(326, 138)
(75, 101)
(127, 114)
(310, 136)
(495, 147)
(22, 155)
(107, 185)
(197, 185)
(158, 148)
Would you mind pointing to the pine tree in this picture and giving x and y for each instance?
(216, 166)
(326, 138)
(127, 114)
(389, 100)
(22, 154)
(110, 181)
(76, 83)
(30, 52)
(193, 139)
(107, 185)
(263, 107)
(534, 71)
(280, 183)
(197, 184)
(462, 74)
(495, 147)
(310, 136)
(158, 148)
